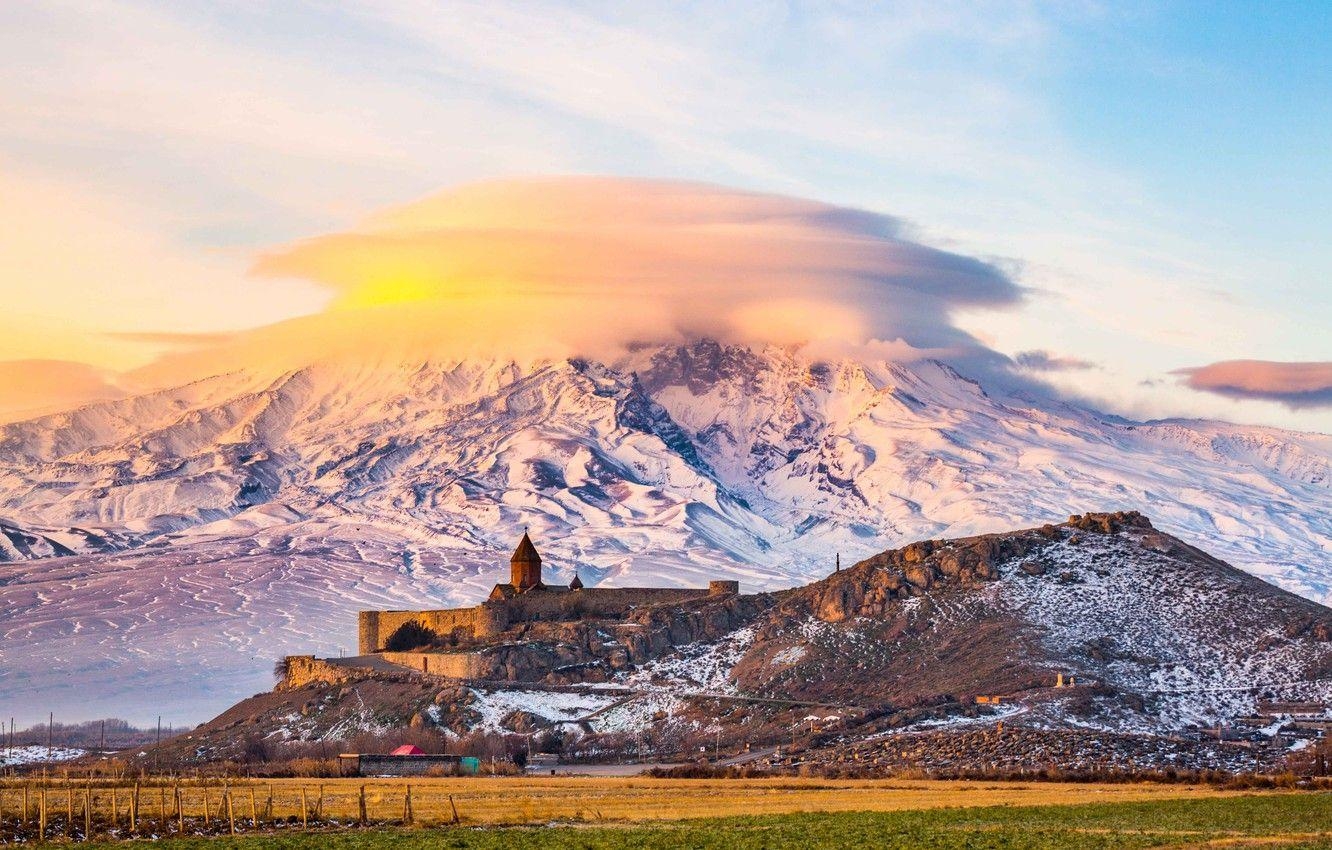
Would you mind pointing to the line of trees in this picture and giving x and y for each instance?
(90, 734)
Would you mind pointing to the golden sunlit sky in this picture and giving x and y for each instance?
(1128, 200)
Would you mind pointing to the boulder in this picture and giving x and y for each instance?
(1033, 568)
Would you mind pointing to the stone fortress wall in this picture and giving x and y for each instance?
(481, 621)
(492, 618)
(477, 642)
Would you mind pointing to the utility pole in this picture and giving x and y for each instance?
(102, 740)
(50, 728)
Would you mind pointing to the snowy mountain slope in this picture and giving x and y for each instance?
(219, 525)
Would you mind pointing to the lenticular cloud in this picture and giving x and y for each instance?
(589, 261)
(1296, 385)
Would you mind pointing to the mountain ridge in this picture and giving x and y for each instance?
(400, 484)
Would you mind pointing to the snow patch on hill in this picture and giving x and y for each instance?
(1130, 615)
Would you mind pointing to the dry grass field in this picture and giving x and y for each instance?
(507, 801)
(646, 814)
(167, 806)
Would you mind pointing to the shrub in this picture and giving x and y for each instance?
(410, 635)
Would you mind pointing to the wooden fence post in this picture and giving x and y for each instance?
(268, 809)
(24, 818)
(363, 818)
(305, 809)
(319, 806)
(41, 814)
(407, 807)
(231, 814)
(69, 805)
(180, 813)
(205, 796)
(115, 809)
(456, 820)
(254, 814)
(134, 809)
(87, 813)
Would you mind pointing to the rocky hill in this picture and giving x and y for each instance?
(170, 546)
(1151, 637)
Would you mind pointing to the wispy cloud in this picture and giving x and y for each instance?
(1043, 361)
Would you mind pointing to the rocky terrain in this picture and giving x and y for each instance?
(168, 548)
(1096, 643)
(999, 750)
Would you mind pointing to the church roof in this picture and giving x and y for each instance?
(526, 553)
(577, 583)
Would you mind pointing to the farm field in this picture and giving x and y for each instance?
(1276, 820)
(162, 807)
(645, 813)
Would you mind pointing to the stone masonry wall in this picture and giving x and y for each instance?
(376, 627)
(491, 618)
(303, 670)
(454, 665)
(593, 602)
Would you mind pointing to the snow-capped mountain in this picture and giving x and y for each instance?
(178, 542)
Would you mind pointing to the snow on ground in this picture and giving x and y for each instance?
(33, 754)
(988, 717)
(555, 706)
(702, 667)
(364, 720)
(1155, 628)
(640, 713)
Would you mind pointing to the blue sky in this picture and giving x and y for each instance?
(1155, 175)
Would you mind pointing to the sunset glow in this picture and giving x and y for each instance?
(847, 380)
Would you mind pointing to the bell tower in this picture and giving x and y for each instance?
(525, 565)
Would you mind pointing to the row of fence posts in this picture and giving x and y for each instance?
(39, 807)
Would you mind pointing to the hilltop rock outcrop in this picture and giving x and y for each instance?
(867, 588)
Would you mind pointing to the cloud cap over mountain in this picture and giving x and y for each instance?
(620, 260)
(1296, 385)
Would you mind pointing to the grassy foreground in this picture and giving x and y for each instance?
(1286, 820)
(534, 800)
